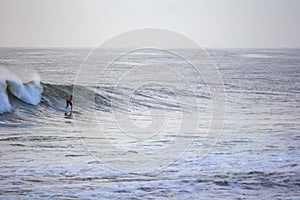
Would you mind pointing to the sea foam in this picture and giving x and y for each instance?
(27, 92)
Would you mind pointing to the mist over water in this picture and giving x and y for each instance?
(45, 155)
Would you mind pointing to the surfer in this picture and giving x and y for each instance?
(69, 102)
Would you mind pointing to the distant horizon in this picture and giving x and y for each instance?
(90, 47)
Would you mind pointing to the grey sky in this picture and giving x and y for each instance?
(211, 23)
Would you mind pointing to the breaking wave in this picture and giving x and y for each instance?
(12, 87)
(15, 94)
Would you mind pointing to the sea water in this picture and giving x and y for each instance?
(106, 149)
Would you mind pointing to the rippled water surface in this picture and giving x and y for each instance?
(99, 153)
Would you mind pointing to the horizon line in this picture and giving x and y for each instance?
(207, 47)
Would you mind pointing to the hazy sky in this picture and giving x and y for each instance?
(211, 23)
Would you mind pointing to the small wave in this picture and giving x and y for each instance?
(252, 55)
(129, 63)
(145, 53)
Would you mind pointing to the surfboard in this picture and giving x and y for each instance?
(68, 113)
(73, 111)
(68, 116)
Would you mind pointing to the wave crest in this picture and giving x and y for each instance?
(10, 84)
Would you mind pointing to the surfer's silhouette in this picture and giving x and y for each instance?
(69, 102)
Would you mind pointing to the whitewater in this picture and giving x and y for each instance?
(10, 84)
(110, 147)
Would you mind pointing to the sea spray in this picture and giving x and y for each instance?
(29, 92)
(4, 102)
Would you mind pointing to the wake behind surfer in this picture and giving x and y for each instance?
(69, 102)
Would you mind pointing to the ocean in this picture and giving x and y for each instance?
(143, 124)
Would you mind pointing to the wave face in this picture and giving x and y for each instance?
(12, 86)
(15, 94)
